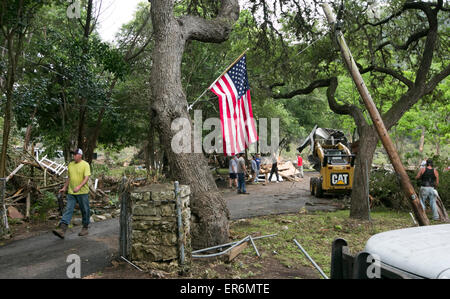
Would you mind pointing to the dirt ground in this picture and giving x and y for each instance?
(24, 229)
(265, 268)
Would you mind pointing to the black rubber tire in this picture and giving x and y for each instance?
(319, 192)
(311, 185)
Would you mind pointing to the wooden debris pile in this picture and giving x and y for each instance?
(29, 180)
(286, 170)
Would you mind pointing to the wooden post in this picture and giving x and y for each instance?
(125, 220)
(28, 202)
(407, 187)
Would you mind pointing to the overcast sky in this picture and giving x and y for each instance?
(115, 13)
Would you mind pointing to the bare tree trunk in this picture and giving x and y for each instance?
(6, 131)
(359, 203)
(13, 57)
(209, 211)
(149, 150)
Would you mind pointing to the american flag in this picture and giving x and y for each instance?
(236, 116)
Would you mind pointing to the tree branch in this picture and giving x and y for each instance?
(390, 72)
(216, 30)
(437, 79)
(414, 37)
(307, 90)
(345, 109)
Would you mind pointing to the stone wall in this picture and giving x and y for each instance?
(154, 229)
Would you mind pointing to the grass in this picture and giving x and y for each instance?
(280, 257)
(315, 232)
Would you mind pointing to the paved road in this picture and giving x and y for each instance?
(274, 198)
(44, 256)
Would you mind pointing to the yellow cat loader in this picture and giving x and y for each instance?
(333, 159)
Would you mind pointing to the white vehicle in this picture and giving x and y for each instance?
(416, 252)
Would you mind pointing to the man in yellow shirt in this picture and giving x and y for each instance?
(78, 191)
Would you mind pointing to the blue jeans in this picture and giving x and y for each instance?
(83, 203)
(241, 182)
(428, 193)
(256, 175)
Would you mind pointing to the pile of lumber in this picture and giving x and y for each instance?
(286, 170)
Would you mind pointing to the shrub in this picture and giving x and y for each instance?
(386, 189)
(132, 171)
(41, 208)
(100, 169)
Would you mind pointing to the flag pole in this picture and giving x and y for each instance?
(226, 70)
(229, 67)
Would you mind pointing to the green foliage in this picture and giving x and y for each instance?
(386, 189)
(132, 171)
(114, 200)
(43, 206)
(98, 170)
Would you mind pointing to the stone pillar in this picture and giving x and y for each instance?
(154, 234)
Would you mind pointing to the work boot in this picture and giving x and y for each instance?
(84, 231)
(61, 230)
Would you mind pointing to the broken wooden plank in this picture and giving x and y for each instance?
(18, 192)
(236, 251)
(14, 171)
(27, 210)
(443, 216)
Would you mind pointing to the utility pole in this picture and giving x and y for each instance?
(407, 187)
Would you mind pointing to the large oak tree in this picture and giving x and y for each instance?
(407, 48)
(209, 212)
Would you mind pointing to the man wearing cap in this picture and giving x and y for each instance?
(78, 192)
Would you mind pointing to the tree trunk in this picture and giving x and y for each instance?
(10, 79)
(149, 150)
(359, 203)
(28, 131)
(422, 140)
(81, 140)
(210, 215)
(6, 131)
(438, 148)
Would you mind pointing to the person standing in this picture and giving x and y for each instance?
(241, 170)
(423, 164)
(300, 164)
(232, 170)
(78, 192)
(258, 167)
(429, 180)
(254, 166)
(274, 168)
